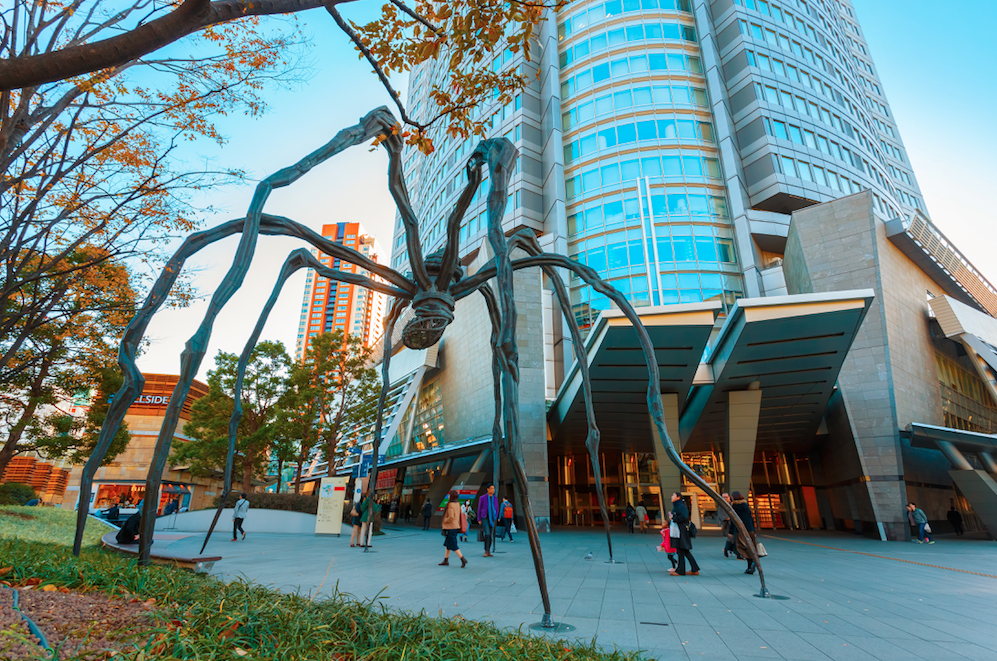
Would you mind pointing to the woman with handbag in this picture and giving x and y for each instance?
(454, 523)
(356, 515)
(680, 537)
(743, 512)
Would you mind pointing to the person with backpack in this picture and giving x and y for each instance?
(921, 521)
(454, 524)
(630, 516)
(507, 519)
(681, 537)
(743, 512)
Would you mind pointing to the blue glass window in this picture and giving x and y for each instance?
(672, 166)
(683, 248)
(677, 204)
(610, 174)
(600, 72)
(651, 167)
(607, 138)
(646, 130)
(631, 170)
(657, 61)
(626, 133)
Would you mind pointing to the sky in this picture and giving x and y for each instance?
(938, 77)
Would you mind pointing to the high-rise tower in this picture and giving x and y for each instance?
(665, 143)
(330, 305)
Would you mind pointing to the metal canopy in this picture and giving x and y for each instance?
(928, 436)
(793, 346)
(679, 334)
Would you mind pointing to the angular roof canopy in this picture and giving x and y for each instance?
(793, 346)
(618, 370)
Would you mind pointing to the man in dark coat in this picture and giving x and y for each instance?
(683, 542)
(129, 531)
(955, 518)
(743, 512)
(427, 514)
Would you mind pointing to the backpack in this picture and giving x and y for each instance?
(692, 530)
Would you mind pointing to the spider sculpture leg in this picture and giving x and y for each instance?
(497, 444)
(500, 156)
(397, 306)
(655, 408)
(297, 260)
(527, 241)
(133, 382)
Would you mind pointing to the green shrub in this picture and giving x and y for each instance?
(15, 493)
(288, 502)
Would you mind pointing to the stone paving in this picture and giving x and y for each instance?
(842, 604)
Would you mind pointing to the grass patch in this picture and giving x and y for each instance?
(199, 617)
(52, 525)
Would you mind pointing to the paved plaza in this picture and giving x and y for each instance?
(905, 601)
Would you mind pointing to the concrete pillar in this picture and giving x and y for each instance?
(743, 407)
(669, 476)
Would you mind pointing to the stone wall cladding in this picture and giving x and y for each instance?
(889, 377)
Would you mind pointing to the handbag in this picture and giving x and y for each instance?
(354, 512)
(481, 534)
(463, 523)
(693, 531)
(761, 550)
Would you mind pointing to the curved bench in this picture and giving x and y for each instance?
(199, 564)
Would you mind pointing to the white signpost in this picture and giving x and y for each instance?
(331, 496)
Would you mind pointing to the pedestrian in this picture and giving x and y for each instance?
(630, 516)
(454, 524)
(427, 514)
(666, 542)
(507, 519)
(642, 517)
(744, 513)
(728, 529)
(408, 512)
(921, 521)
(680, 538)
(366, 509)
(955, 518)
(356, 513)
(129, 532)
(464, 509)
(488, 516)
(239, 515)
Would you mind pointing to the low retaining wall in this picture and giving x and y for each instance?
(272, 521)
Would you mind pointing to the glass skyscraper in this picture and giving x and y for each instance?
(665, 143)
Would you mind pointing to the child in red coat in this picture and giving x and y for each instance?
(666, 546)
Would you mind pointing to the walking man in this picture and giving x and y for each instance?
(955, 518)
(921, 521)
(680, 538)
(488, 516)
(239, 515)
(427, 514)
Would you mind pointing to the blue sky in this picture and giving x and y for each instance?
(937, 75)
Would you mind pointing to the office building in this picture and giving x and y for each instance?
(734, 168)
(329, 305)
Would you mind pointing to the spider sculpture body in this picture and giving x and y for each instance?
(435, 284)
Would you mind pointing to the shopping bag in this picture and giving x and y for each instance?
(927, 527)
(512, 528)
(761, 550)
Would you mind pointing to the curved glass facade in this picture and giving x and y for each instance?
(645, 198)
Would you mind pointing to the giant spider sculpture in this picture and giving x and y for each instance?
(436, 283)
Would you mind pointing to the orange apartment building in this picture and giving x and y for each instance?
(123, 480)
(329, 305)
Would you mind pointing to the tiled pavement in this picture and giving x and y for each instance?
(842, 606)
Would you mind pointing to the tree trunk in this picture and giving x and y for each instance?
(9, 448)
(280, 470)
(247, 474)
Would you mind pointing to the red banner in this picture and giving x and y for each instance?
(386, 479)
